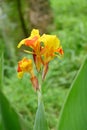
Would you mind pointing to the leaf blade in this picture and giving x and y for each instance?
(73, 116)
(40, 120)
(1, 71)
(10, 119)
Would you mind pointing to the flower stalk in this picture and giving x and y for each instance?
(39, 92)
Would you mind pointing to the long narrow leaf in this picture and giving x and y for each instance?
(40, 120)
(74, 113)
(1, 71)
(1, 124)
(11, 120)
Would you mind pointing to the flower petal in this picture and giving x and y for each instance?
(25, 65)
(51, 41)
(20, 74)
(60, 50)
(34, 32)
(21, 43)
(31, 42)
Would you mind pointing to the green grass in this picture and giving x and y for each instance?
(70, 24)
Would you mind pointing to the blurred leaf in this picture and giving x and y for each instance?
(1, 124)
(10, 118)
(74, 114)
(1, 84)
(40, 120)
(1, 71)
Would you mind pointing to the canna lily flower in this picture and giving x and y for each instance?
(25, 66)
(43, 48)
(34, 44)
(31, 41)
(51, 47)
(50, 50)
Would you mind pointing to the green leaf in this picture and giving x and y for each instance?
(1, 124)
(40, 120)
(74, 113)
(10, 119)
(1, 71)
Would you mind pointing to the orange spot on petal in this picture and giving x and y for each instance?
(18, 69)
(60, 50)
(31, 42)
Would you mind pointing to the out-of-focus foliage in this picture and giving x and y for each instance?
(10, 118)
(70, 24)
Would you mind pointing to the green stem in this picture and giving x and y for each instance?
(39, 92)
(39, 97)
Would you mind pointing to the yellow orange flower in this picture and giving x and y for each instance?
(33, 42)
(25, 66)
(51, 46)
(43, 48)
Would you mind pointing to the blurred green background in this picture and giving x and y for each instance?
(69, 23)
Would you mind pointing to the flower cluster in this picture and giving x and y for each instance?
(43, 48)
